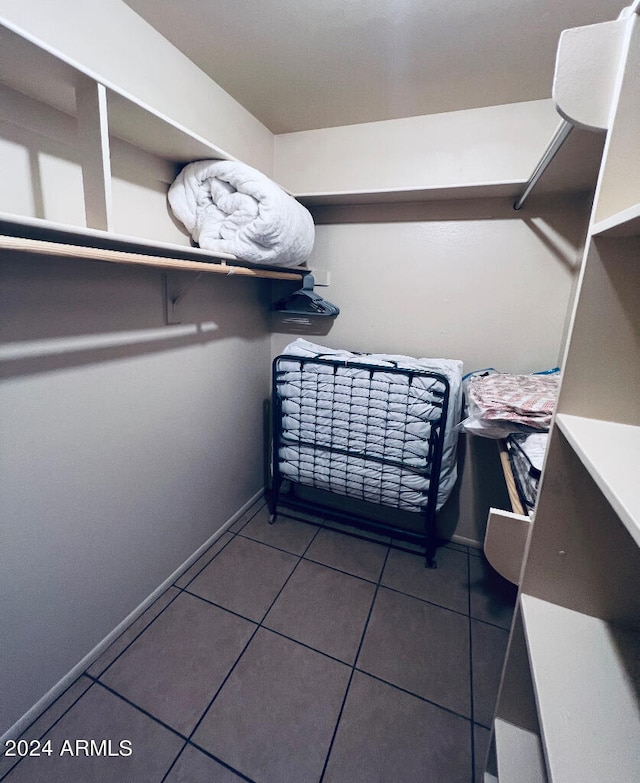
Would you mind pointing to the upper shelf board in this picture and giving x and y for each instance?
(412, 195)
(622, 224)
(586, 71)
(52, 79)
(611, 453)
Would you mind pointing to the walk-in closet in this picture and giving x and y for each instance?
(319, 413)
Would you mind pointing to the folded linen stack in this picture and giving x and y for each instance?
(501, 403)
(229, 207)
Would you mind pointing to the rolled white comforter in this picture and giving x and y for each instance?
(229, 207)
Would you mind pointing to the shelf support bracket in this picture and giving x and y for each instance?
(560, 136)
(172, 297)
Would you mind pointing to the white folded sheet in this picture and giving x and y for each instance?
(229, 207)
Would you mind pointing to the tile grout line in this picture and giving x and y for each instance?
(378, 583)
(353, 669)
(168, 728)
(232, 534)
(48, 729)
(188, 738)
(283, 635)
(333, 657)
(176, 587)
(319, 526)
(471, 704)
(189, 744)
(402, 546)
(363, 578)
(136, 637)
(242, 652)
(96, 679)
(222, 763)
(222, 548)
(140, 709)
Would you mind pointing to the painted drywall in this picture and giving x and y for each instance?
(113, 43)
(129, 443)
(125, 445)
(474, 146)
(40, 154)
(474, 281)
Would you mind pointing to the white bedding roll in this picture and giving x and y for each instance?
(229, 207)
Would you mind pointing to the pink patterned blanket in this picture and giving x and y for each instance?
(523, 399)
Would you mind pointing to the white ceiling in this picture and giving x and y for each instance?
(302, 64)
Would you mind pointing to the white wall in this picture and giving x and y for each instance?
(474, 146)
(474, 281)
(113, 43)
(125, 445)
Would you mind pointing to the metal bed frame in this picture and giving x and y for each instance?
(333, 450)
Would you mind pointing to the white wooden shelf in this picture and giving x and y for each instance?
(622, 224)
(129, 119)
(611, 453)
(149, 130)
(40, 228)
(585, 675)
(509, 189)
(519, 754)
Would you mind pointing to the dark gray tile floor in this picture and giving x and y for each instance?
(291, 653)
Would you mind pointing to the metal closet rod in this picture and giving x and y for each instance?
(559, 138)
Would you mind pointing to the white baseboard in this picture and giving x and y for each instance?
(47, 700)
(466, 541)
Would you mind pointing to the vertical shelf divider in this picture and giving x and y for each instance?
(93, 136)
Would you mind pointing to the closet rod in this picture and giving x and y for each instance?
(559, 137)
(21, 244)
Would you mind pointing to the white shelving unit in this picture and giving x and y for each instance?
(86, 156)
(572, 672)
(90, 162)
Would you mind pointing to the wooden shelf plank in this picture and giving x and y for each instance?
(622, 224)
(519, 753)
(611, 453)
(512, 489)
(585, 675)
(40, 247)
